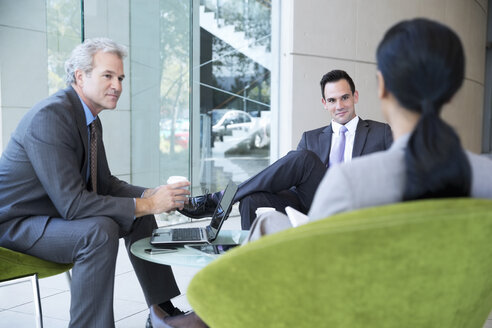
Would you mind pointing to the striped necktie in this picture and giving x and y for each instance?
(93, 152)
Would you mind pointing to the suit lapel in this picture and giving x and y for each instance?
(360, 137)
(325, 144)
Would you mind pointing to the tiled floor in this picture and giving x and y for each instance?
(130, 309)
(17, 310)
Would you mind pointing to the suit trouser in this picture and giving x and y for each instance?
(92, 245)
(290, 181)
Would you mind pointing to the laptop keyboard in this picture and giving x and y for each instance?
(186, 234)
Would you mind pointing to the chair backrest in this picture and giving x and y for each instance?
(424, 263)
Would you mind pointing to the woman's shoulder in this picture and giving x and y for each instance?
(480, 164)
(481, 167)
(369, 180)
(378, 161)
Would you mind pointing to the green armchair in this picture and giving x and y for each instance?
(423, 263)
(17, 267)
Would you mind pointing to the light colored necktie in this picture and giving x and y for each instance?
(93, 151)
(336, 154)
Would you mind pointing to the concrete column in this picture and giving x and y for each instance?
(23, 61)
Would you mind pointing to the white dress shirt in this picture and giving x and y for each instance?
(349, 137)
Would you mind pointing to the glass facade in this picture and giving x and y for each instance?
(235, 88)
(160, 80)
(200, 90)
(174, 123)
(64, 32)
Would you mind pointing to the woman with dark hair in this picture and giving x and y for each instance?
(420, 67)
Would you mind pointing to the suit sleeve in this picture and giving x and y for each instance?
(50, 143)
(120, 188)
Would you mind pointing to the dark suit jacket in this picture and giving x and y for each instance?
(43, 173)
(370, 136)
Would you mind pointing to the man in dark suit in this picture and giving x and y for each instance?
(59, 201)
(294, 178)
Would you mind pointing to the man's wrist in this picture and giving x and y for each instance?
(147, 192)
(142, 207)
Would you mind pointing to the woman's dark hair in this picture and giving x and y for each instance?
(422, 63)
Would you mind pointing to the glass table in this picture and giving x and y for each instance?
(183, 256)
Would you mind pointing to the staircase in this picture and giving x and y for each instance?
(235, 39)
(218, 167)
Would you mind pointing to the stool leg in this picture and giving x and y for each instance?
(69, 278)
(37, 300)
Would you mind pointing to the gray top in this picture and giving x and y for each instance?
(379, 179)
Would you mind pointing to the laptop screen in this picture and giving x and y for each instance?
(225, 205)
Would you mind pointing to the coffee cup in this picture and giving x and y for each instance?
(176, 179)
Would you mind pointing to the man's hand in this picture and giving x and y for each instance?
(149, 192)
(163, 198)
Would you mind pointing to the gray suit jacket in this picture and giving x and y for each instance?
(370, 136)
(379, 179)
(43, 173)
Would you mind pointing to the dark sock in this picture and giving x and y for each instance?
(217, 196)
(168, 307)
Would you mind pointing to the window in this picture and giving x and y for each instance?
(200, 90)
(234, 87)
(64, 32)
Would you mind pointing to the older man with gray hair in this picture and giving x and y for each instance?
(59, 201)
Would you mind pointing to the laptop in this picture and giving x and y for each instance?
(163, 237)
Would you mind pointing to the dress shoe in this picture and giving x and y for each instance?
(157, 315)
(189, 320)
(201, 206)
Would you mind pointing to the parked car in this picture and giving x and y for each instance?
(224, 121)
(241, 127)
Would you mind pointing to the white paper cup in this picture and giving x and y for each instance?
(176, 179)
(261, 210)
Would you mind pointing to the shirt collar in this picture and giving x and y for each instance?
(88, 114)
(350, 125)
